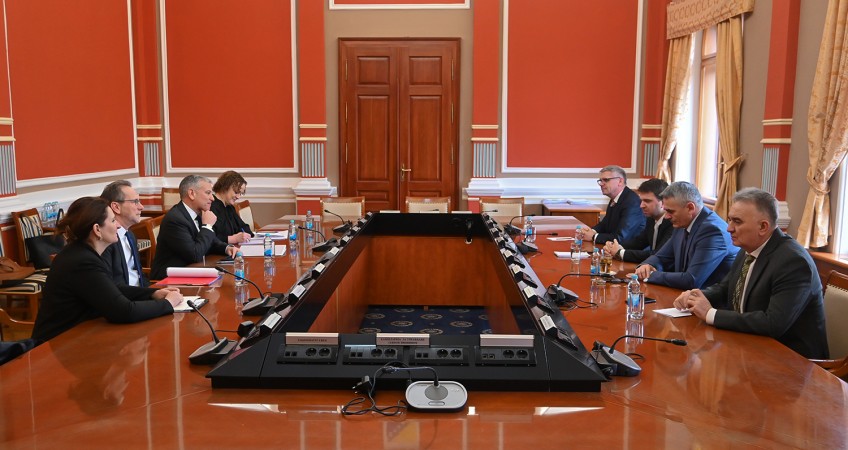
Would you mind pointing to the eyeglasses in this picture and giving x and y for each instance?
(137, 201)
(606, 180)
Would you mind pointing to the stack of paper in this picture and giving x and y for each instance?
(583, 255)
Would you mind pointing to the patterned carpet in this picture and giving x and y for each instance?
(451, 320)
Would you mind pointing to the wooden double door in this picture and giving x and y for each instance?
(399, 120)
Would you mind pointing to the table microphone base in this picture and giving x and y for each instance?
(212, 352)
(258, 306)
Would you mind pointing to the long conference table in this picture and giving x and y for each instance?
(102, 385)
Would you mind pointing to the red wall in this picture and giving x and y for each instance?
(574, 94)
(230, 83)
(70, 77)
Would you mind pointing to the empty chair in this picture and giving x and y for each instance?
(146, 233)
(350, 208)
(835, 311)
(170, 197)
(428, 204)
(502, 209)
(13, 329)
(246, 214)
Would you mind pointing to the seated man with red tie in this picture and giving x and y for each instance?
(623, 220)
(186, 234)
(122, 257)
(773, 288)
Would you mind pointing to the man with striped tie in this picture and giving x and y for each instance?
(773, 287)
(122, 257)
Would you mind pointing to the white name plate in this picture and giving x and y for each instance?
(506, 340)
(312, 338)
(403, 339)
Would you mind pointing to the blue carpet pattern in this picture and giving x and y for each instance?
(453, 320)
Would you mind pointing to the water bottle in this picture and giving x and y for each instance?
(596, 262)
(268, 275)
(292, 234)
(529, 236)
(268, 248)
(578, 237)
(635, 299)
(310, 221)
(238, 269)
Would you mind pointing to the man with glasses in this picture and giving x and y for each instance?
(122, 257)
(623, 220)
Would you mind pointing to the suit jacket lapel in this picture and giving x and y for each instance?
(760, 264)
(123, 258)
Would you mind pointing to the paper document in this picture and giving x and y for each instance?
(567, 255)
(259, 250)
(560, 238)
(183, 306)
(198, 272)
(673, 312)
(275, 235)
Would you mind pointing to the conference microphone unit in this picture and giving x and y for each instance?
(340, 228)
(513, 230)
(212, 352)
(255, 306)
(324, 246)
(559, 294)
(619, 364)
(432, 395)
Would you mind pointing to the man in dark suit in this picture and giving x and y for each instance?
(186, 234)
(773, 288)
(122, 257)
(623, 220)
(700, 251)
(657, 231)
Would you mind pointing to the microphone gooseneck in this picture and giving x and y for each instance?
(261, 294)
(211, 328)
(680, 342)
(313, 230)
(516, 217)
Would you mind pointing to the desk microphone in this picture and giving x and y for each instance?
(211, 352)
(513, 230)
(324, 246)
(429, 396)
(619, 364)
(255, 306)
(346, 224)
(559, 294)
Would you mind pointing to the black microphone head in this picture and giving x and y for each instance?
(681, 342)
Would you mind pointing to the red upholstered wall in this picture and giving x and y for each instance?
(230, 83)
(576, 93)
(70, 84)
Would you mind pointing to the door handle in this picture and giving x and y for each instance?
(403, 171)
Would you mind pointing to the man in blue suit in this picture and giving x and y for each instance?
(122, 257)
(700, 251)
(773, 289)
(623, 220)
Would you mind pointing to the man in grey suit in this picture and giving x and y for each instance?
(773, 288)
(186, 234)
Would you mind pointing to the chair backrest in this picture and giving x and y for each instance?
(27, 224)
(170, 197)
(835, 313)
(246, 214)
(506, 207)
(17, 329)
(351, 208)
(428, 204)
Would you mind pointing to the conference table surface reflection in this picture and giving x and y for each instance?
(105, 385)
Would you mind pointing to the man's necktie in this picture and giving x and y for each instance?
(612, 203)
(740, 283)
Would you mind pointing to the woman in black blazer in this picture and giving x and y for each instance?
(229, 228)
(79, 286)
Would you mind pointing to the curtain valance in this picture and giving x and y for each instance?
(688, 16)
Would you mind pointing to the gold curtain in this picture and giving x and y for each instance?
(728, 108)
(674, 99)
(827, 124)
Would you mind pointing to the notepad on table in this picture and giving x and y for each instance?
(583, 255)
(183, 306)
(673, 312)
(259, 250)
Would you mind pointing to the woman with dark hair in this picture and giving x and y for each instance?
(80, 287)
(229, 228)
